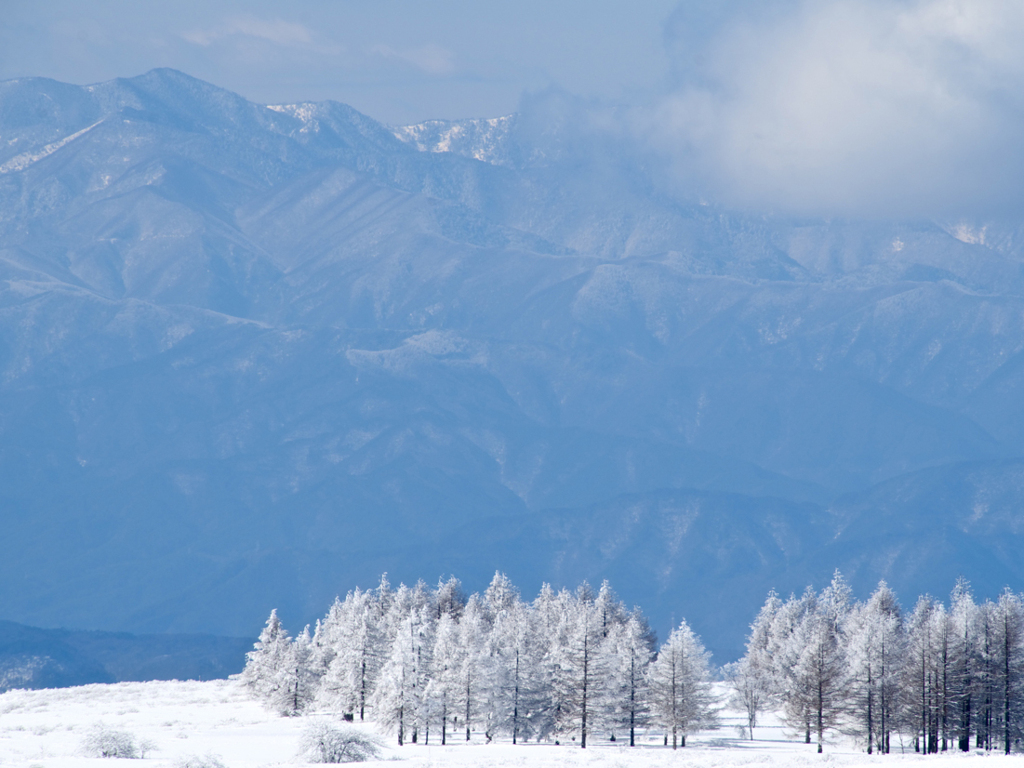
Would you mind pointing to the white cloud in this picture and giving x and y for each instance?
(277, 31)
(852, 106)
(432, 59)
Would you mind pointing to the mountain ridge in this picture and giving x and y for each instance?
(263, 354)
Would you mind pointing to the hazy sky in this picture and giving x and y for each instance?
(908, 107)
(399, 61)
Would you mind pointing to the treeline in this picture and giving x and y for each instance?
(567, 665)
(418, 661)
(941, 678)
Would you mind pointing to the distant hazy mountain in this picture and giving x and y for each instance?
(253, 356)
(57, 658)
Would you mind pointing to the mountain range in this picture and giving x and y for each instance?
(253, 356)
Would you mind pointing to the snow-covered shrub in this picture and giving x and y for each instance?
(108, 742)
(200, 761)
(324, 742)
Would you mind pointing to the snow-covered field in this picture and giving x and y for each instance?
(46, 729)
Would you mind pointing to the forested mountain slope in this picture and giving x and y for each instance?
(253, 356)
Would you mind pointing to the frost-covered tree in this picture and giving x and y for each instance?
(631, 648)
(785, 648)
(508, 668)
(582, 663)
(920, 674)
(299, 678)
(406, 629)
(610, 611)
(424, 645)
(753, 678)
(986, 676)
(417, 658)
(355, 638)
(325, 637)
(547, 611)
(472, 635)
(963, 663)
(447, 662)
(393, 700)
(680, 689)
(876, 652)
(818, 691)
(263, 662)
(944, 674)
(449, 598)
(1008, 645)
(501, 595)
(269, 667)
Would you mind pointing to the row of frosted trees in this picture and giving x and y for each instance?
(942, 678)
(419, 661)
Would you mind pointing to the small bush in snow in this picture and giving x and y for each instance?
(200, 761)
(323, 742)
(107, 742)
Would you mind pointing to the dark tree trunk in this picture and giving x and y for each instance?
(515, 704)
(583, 718)
(362, 688)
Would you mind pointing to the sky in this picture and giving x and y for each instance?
(825, 107)
(400, 61)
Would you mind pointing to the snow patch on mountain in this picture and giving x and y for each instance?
(480, 139)
(24, 160)
(305, 112)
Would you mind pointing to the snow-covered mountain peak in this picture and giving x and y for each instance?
(484, 139)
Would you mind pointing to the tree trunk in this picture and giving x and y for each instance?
(583, 719)
(362, 689)
(632, 702)
(871, 734)
(468, 690)
(821, 715)
(1006, 685)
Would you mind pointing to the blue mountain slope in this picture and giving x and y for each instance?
(253, 356)
(56, 658)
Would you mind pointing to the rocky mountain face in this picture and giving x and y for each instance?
(251, 357)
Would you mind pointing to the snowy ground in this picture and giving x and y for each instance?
(46, 729)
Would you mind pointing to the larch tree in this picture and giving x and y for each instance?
(583, 665)
(985, 677)
(449, 598)
(876, 651)
(447, 661)
(786, 644)
(963, 662)
(269, 666)
(820, 674)
(393, 699)
(548, 627)
(509, 670)
(680, 689)
(299, 679)
(753, 678)
(357, 641)
(1009, 658)
(472, 635)
(631, 648)
(920, 688)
